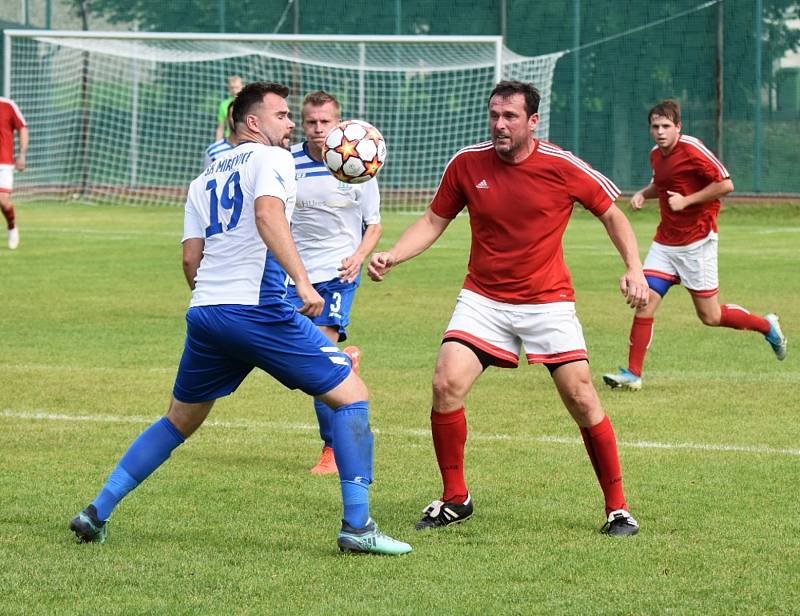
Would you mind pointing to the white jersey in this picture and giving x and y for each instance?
(329, 218)
(215, 150)
(236, 267)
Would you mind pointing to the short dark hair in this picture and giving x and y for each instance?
(319, 98)
(668, 108)
(253, 94)
(505, 89)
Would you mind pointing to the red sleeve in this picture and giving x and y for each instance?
(708, 166)
(449, 199)
(17, 121)
(589, 187)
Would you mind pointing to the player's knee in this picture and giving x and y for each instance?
(352, 389)
(447, 389)
(709, 318)
(581, 400)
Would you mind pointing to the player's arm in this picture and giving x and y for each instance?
(351, 266)
(715, 190)
(632, 284)
(274, 230)
(192, 255)
(19, 161)
(640, 196)
(219, 132)
(415, 240)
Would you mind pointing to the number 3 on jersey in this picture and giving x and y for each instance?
(227, 200)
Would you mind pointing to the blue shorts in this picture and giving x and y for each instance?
(224, 343)
(338, 298)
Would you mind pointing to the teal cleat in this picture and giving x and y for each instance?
(88, 528)
(775, 337)
(624, 379)
(369, 540)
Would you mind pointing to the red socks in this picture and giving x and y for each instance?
(601, 445)
(641, 336)
(9, 215)
(737, 317)
(449, 436)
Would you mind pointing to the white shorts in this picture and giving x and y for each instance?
(694, 266)
(6, 178)
(548, 333)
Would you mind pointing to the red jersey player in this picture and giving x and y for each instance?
(519, 192)
(11, 120)
(688, 181)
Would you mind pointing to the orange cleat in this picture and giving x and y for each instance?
(354, 353)
(326, 464)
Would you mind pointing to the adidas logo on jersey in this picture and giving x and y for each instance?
(482, 184)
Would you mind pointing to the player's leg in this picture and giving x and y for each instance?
(332, 322)
(148, 451)
(326, 465)
(733, 316)
(205, 373)
(6, 183)
(661, 274)
(552, 335)
(574, 383)
(353, 447)
(290, 348)
(458, 366)
(477, 336)
(702, 279)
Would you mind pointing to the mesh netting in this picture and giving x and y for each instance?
(129, 119)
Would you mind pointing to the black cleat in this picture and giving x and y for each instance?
(439, 514)
(88, 528)
(620, 524)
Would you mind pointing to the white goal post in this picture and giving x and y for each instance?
(126, 117)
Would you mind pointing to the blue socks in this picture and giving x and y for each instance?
(353, 449)
(149, 451)
(325, 419)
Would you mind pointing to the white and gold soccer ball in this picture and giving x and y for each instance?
(354, 151)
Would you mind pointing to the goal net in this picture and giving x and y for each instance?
(126, 118)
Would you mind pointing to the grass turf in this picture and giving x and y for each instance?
(92, 329)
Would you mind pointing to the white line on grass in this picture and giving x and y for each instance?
(302, 427)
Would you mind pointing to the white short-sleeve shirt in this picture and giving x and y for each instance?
(236, 267)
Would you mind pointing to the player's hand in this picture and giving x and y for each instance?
(350, 268)
(677, 201)
(19, 162)
(379, 264)
(312, 301)
(634, 287)
(637, 201)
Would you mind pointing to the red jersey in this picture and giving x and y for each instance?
(10, 120)
(689, 167)
(518, 214)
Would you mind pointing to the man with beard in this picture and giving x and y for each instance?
(519, 192)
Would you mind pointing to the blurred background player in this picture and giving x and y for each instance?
(223, 145)
(235, 85)
(335, 227)
(11, 121)
(519, 192)
(237, 251)
(688, 181)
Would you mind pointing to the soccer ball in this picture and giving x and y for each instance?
(354, 151)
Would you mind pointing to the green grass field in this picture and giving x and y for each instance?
(91, 329)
